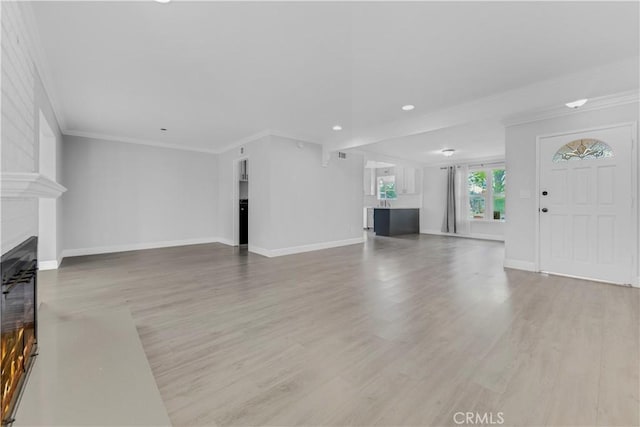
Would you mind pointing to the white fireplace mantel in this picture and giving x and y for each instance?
(29, 185)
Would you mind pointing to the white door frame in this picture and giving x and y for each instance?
(236, 197)
(635, 219)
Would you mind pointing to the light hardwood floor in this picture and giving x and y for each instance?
(400, 331)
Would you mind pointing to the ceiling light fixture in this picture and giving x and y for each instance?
(408, 107)
(162, 1)
(448, 152)
(576, 104)
(337, 127)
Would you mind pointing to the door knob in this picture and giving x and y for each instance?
(544, 193)
(545, 210)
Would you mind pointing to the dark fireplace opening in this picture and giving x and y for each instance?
(18, 322)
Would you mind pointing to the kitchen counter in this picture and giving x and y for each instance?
(396, 221)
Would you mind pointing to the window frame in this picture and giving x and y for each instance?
(488, 196)
(378, 183)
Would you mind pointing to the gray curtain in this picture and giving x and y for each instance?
(449, 222)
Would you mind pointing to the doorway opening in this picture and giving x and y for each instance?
(243, 203)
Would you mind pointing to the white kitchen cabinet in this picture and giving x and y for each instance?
(405, 180)
(399, 173)
(409, 180)
(369, 182)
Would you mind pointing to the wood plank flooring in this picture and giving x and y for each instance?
(400, 331)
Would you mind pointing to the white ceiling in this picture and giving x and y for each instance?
(477, 140)
(214, 73)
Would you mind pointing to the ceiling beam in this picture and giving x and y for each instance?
(618, 77)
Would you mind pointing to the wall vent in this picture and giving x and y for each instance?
(342, 155)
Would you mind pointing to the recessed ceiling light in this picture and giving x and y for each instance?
(448, 152)
(576, 104)
(408, 107)
(162, 1)
(337, 127)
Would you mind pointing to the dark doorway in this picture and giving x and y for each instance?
(243, 208)
(244, 221)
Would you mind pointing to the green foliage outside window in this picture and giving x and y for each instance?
(499, 176)
(479, 205)
(477, 191)
(387, 188)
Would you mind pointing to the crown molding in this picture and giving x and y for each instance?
(599, 103)
(150, 143)
(292, 136)
(243, 141)
(262, 134)
(94, 135)
(29, 185)
(139, 141)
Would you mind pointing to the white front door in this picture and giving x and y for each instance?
(586, 202)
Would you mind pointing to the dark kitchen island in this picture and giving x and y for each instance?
(395, 221)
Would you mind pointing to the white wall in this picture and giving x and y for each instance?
(295, 204)
(124, 196)
(489, 229)
(433, 199)
(23, 97)
(433, 204)
(257, 153)
(47, 208)
(521, 180)
(311, 204)
(50, 243)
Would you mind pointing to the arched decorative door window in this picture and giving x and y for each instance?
(583, 149)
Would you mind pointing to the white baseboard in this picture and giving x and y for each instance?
(137, 246)
(530, 266)
(519, 265)
(48, 265)
(52, 264)
(304, 248)
(465, 236)
(260, 251)
(226, 241)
